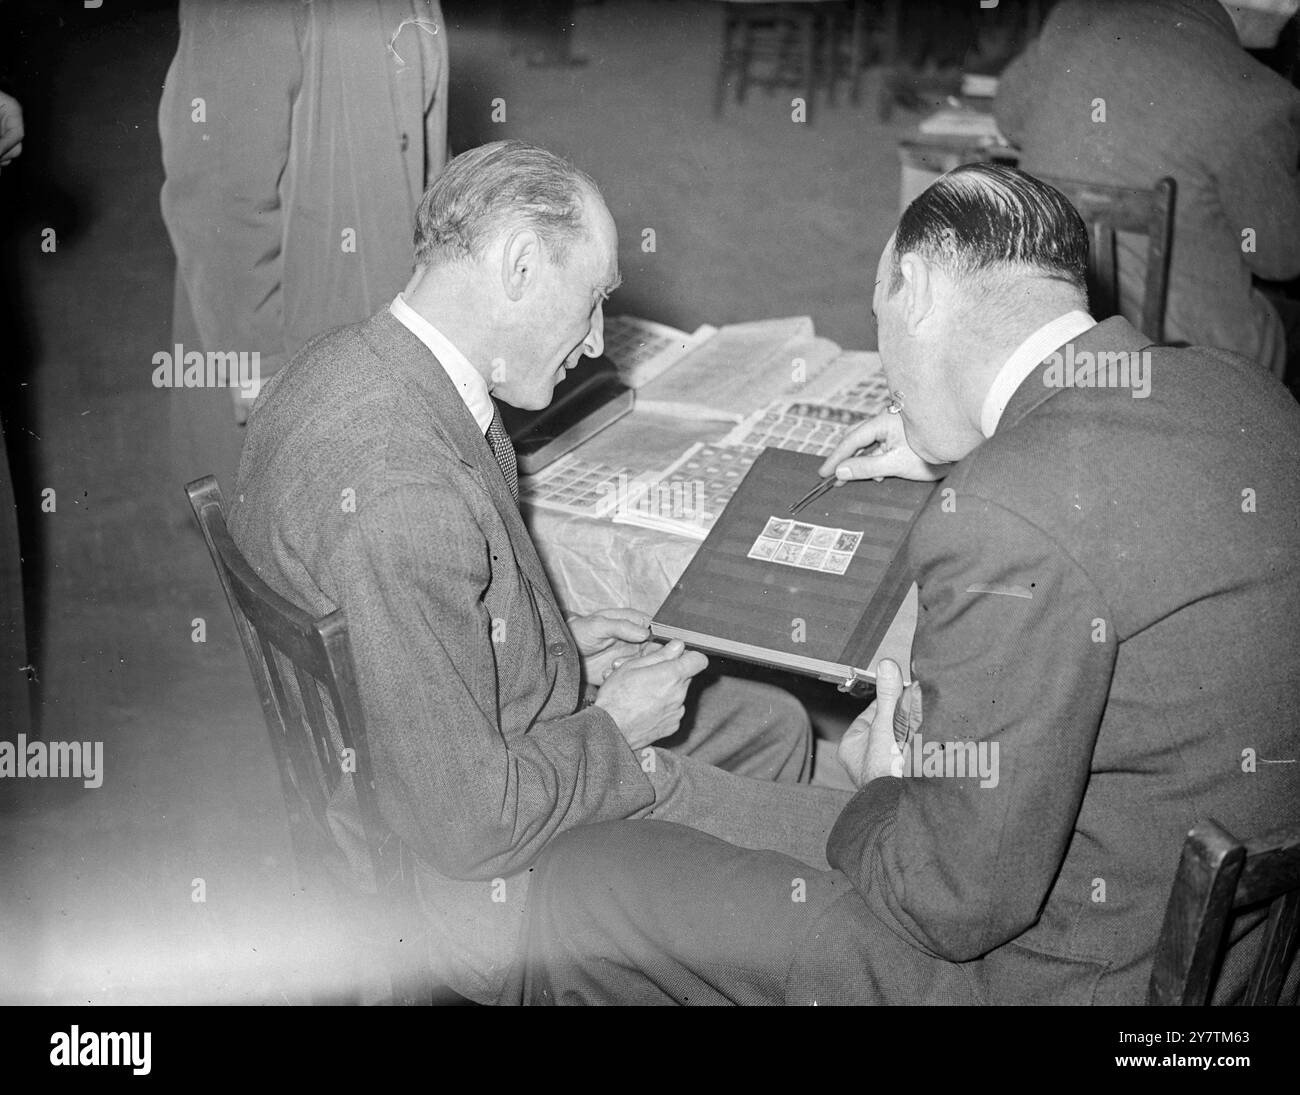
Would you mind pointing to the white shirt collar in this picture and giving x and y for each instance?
(466, 379)
(1025, 359)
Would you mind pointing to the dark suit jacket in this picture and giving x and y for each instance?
(1182, 98)
(365, 484)
(1113, 596)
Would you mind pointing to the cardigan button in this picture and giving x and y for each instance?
(406, 142)
(558, 650)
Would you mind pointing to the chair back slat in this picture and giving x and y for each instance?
(330, 762)
(293, 657)
(1277, 951)
(1103, 269)
(341, 684)
(1219, 877)
(1272, 874)
(1270, 868)
(1160, 243)
(303, 773)
(1196, 917)
(1107, 210)
(385, 850)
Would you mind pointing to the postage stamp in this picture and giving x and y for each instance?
(810, 547)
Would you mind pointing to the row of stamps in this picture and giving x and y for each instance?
(810, 547)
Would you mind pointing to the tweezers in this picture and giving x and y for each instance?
(812, 496)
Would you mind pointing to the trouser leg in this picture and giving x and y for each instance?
(745, 727)
(792, 818)
(652, 913)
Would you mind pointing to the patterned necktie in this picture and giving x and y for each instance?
(504, 452)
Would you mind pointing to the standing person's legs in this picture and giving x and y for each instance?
(204, 437)
(648, 913)
(15, 709)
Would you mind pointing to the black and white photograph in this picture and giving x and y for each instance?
(650, 502)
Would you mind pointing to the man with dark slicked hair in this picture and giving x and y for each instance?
(1108, 602)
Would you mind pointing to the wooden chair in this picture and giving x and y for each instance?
(280, 640)
(1218, 877)
(782, 35)
(844, 33)
(1110, 209)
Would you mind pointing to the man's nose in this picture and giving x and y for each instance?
(594, 344)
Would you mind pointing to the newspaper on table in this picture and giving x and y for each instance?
(689, 495)
(576, 486)
(642, 349)
(740, 368)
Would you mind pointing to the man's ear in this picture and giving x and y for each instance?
(521, 262)
(917, 289)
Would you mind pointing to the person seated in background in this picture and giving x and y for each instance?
(1125, 93)
(377, 478)
(1109, 584)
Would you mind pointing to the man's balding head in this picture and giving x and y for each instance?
(515, 254)
(500, 187)
(979, 261)
(986, 223)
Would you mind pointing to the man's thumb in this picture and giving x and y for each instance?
(889, 688)
(628, 630)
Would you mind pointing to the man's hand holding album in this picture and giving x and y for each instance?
(873, 744)
(607, 636)
(646, 695)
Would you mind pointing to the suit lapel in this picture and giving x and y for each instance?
(416, 360)
(1110, 335)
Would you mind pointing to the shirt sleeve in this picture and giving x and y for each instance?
(471, 801)
(1015, 650)
(224, 121)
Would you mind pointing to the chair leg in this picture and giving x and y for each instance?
(855, 51)
(828, 54)
(889, 59)
(746, 59)
(725, 62)
(809, 65)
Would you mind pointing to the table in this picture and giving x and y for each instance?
(595, 563)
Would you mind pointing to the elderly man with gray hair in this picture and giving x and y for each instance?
(377, 478)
